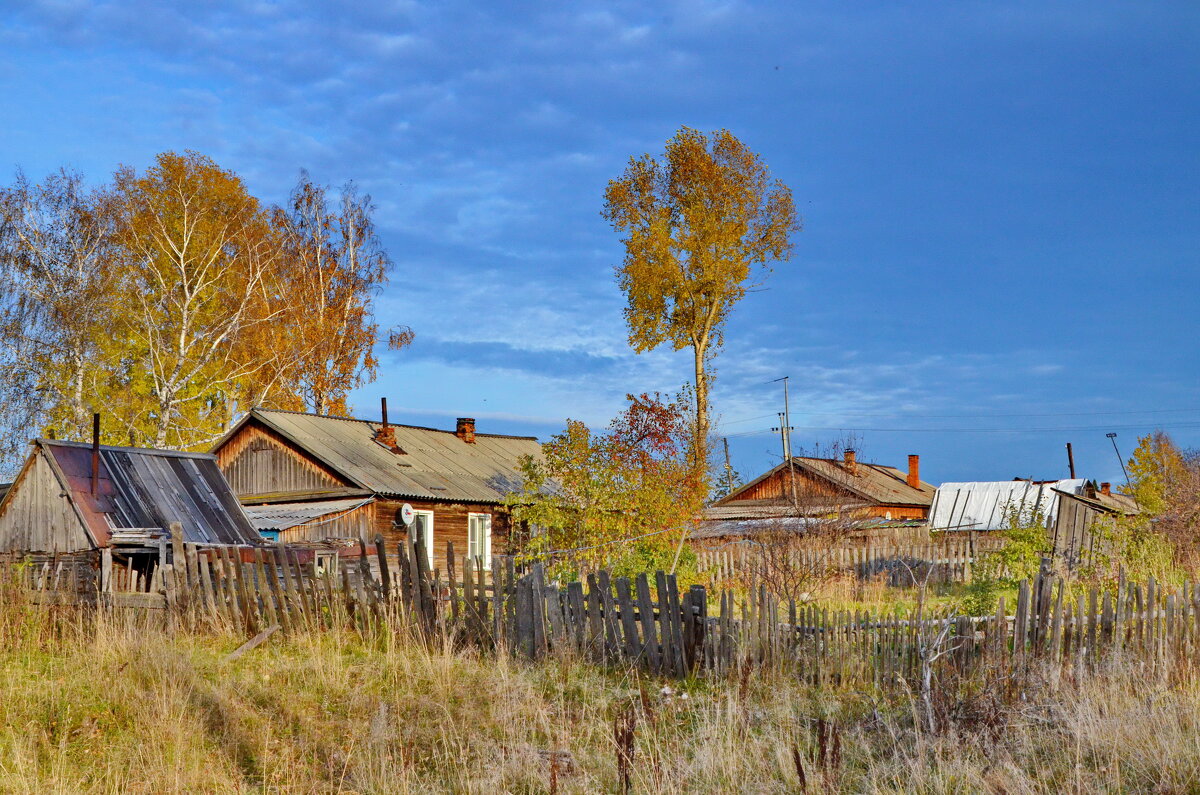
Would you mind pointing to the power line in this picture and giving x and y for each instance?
(1066, 429)
(972, 416)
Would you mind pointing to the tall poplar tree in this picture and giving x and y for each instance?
(699, 226)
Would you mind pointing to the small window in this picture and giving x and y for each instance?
(479, 537)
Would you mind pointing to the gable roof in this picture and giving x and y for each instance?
(144, 488)
(873, 483)
(435, 464)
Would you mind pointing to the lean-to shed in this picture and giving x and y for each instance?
(65, 501)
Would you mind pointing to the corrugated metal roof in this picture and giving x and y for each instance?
(140, 488)
(435, 464)
(288, 515)
(982, 505)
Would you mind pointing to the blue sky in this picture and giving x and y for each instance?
(1000, 200)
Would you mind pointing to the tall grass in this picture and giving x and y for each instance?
(93, 702)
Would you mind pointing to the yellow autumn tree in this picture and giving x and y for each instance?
(333, 266)
(172, 299)
(698, 226)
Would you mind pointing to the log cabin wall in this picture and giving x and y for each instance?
(260, 461)
(449, 524)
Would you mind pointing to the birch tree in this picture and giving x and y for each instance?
(56, 252)
(335, 265)
(698, 227)
(200, 276)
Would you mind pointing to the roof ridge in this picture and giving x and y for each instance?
(261, 410)
(123, 449)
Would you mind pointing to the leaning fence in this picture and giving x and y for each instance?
(946, 560)
(648, 621)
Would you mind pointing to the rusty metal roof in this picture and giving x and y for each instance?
(434, 465)
(143, 488)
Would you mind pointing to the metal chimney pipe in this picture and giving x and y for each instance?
(1071, 460)
(383, 407)
(95, 451)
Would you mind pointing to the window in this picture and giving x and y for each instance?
(423, 526)
(479, 537)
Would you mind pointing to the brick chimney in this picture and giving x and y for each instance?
(386, 434)
(465, 429)
(1106, 489)
(914, 470)
(850, 458)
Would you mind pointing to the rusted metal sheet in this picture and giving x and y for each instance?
(434, 464)
(139, 488)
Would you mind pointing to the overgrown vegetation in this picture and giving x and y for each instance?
(99, 704)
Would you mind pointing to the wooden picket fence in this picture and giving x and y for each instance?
(948, 560)
(647, 622)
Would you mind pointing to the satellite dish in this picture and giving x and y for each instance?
(407, 514)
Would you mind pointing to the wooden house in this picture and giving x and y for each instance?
(72, 497)
(807, 492)
(309, 477)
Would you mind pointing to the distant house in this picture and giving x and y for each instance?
(809, 490)
(308, 477)
(72, 497)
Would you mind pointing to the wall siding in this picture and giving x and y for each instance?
(357, 523)
(449, 524)
(38, 517)
(258, 461)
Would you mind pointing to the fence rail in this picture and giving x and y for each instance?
(648, 621)
(939, 562)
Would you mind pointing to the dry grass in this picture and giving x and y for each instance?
(103, 705)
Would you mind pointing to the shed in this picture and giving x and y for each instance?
(61, 502)
(983, 505)
(1081, 515)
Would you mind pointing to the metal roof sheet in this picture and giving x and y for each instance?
(288, 515)
(139, 488)
(982, 505)
(435, 464)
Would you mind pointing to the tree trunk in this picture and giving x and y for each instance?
(700, 440)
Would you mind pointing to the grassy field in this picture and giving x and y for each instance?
(100, 706)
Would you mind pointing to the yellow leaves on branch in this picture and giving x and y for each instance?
(199, 301)
(696, 226)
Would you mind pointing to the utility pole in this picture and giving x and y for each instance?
(1113, 438)
(728, 468)
(785, 425)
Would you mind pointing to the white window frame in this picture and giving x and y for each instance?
(484, 555)
(428, 517)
